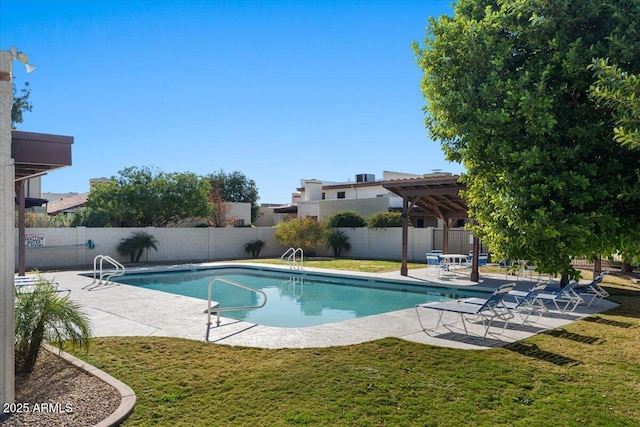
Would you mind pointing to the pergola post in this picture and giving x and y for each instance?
(21, 227)
(404, 270)
(475, 264)
(445, 236)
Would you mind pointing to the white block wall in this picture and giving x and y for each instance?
(67, 247)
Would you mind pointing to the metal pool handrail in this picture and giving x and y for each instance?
(291, 258)
(104, 277)
(219, 309)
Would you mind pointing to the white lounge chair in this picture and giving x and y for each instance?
(26, 284)
(592, 290)
(527, 302)
(487, 312)
(566, 299)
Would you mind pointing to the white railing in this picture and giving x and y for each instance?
(292, 258)
(219, 309)
(102, 276)
(294, 286)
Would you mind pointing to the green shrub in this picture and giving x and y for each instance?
(89, 217)
(338, 240)
(254, 247)
(305, 233)
(42, 220)
(384, 220)
(350, 219)
(136, 244)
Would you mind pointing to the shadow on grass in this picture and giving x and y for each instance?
(532, 350)
(525, 327)
(561, 333)
(478, 340)
(600, 320)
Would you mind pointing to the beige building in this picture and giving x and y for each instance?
(365, 195)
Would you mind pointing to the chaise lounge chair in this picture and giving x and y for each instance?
(525, 302)
(26, 284)
(593, 290)
(486, 311)
(566, 299)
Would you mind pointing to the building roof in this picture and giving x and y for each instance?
(67, 204)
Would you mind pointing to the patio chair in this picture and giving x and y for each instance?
(483, 259)
(505, 265)
(489, 310)
(433, 263)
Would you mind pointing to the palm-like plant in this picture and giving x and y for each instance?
(44, 316)
(254, 247)
(136, 244)
(338, 240)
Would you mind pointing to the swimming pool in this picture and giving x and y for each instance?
(295, 299)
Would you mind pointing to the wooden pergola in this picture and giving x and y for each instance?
(438, 195)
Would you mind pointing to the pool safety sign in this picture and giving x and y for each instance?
(32, 240)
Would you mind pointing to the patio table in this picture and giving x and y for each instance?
(453, 261)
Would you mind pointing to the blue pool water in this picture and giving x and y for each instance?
(295, 299)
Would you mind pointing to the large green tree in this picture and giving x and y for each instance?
(507, 89)
(144, 196)
(620, 91)
(21, 104)
(234, 187)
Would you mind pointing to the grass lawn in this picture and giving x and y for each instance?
(586, 374)
(365, 266)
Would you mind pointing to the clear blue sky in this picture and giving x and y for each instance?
(278, 90)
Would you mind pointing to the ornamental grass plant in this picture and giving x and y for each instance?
(42, 316)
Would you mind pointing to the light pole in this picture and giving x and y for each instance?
(7, 226)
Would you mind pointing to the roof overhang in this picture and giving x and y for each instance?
(292, 209)
(32, 202)
(437, 195)
(35, 154)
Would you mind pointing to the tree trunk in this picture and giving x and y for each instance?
(597, 266)
(564, 280)
(34, 348)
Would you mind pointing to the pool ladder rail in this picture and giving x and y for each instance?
(216, 307)
(294, 286)
(101, 277)
(292, 259)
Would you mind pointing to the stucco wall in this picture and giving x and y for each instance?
(67, 247)
(365, 207)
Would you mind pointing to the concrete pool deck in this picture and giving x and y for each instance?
(122, 310)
